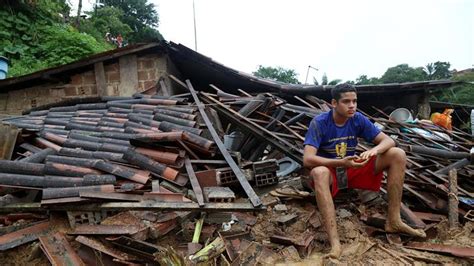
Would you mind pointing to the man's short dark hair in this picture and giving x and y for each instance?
(340, 89)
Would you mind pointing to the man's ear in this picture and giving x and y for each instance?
(333, 103)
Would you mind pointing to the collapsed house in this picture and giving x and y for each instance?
(136, 150)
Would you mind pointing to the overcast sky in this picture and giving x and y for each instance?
(343, 39)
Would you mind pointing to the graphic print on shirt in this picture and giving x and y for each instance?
(341, 149)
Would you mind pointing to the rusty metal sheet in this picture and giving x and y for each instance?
(59, 251)
(23, 236)
(207, 178)
(466, 252)
(97, 245)
(106, 229)
(8, 135)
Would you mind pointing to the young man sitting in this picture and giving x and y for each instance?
(329, 154)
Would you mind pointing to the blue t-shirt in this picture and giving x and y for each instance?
(334, 141)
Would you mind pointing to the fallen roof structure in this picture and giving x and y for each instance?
(161, 161)
(212, 175)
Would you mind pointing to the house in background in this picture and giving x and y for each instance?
(136, 68)
(119, 72)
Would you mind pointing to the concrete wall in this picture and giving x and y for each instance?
(122, 77)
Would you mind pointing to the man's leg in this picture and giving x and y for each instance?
(394, 162)
(322, 180)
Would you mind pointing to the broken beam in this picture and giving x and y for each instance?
(235, 168)
(143, 205)
(194, 182)
(260, 132)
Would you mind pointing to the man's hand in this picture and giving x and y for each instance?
(368, 154)
(354, 161)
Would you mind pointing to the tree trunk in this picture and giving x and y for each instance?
(78, 18)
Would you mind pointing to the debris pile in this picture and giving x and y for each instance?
(201, 177)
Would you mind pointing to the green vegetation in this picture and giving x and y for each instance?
(277, 74)
(33, 36)
(140, 16)
(40, 34)
(461, 93)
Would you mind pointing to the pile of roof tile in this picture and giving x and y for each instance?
(128, 170)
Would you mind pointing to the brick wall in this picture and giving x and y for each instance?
(150, 68)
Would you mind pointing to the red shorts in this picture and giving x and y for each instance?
(361, 178)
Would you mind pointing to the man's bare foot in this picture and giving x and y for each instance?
(335, 252)
(401, 227)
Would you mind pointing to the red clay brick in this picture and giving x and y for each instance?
(142, 75)
(70, 91)
(93, 90)
(149, 64)
(88, 79)
(151, 74)
(149, 84)
(113, 77)
(111, 68)
(76, 79)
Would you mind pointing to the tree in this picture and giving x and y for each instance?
(277, 74)
(324, 79)
(335, 82)
(459, 93)
(78, 18)
(441, 70)
(35, 36)
(438, 70)
(403, 73)
(429, 69)
(140, 16)
(105, 20)
(364, 80)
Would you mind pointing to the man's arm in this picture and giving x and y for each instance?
(311, 160)
(382, 144)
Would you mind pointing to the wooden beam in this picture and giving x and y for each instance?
(100, 80)
(128, 75)
(143, 205)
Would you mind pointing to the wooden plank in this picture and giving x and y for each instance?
(59, 251)
(110, 196)
(164, 89)
(100, 80)
(194, 182)
(143, 205)
(23, 236)
(128, 75)
(100, 229)
(235, 168)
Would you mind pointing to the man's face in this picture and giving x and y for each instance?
(347, 105)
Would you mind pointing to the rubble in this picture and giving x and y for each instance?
(132, 178)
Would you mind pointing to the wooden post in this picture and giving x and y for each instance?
(100, 80)
(453, 199)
